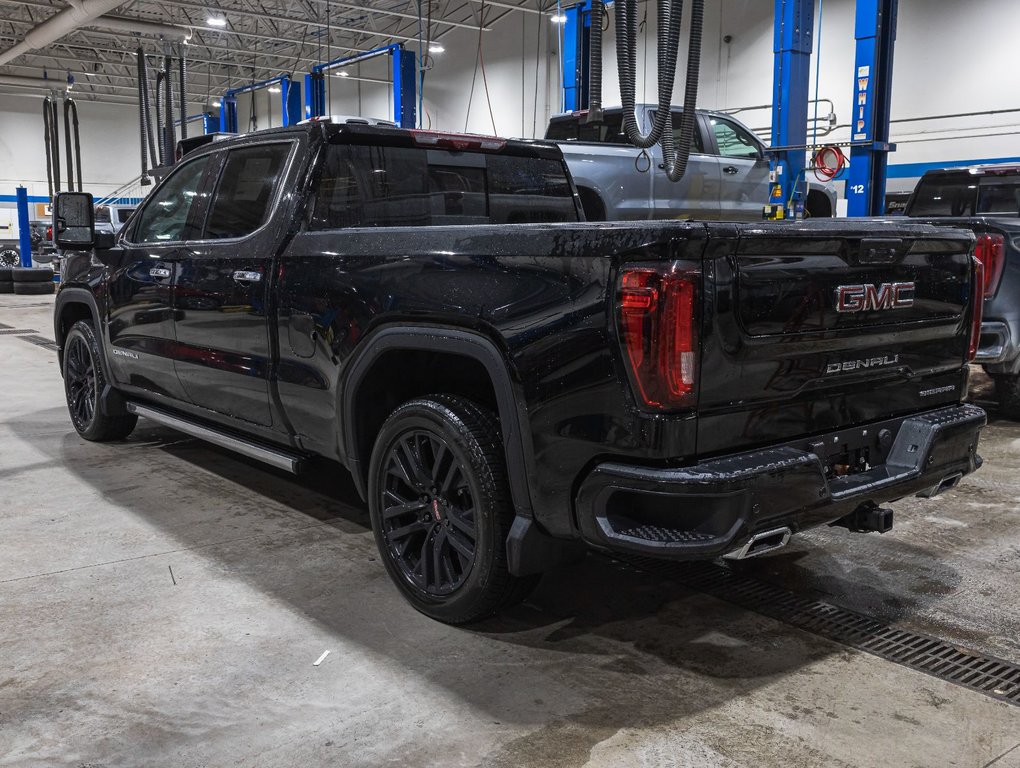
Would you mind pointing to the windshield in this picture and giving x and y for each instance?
(966, 195)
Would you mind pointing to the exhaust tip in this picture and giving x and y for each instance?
(762, 543)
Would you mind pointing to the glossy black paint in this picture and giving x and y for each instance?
(278, 361)
(1004, 306)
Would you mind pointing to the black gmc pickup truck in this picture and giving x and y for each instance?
(985, 199)
(507, 384)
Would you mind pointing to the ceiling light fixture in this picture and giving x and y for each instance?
(343, 74)
(558, 18)
(216, 21)
(274, 89)
(436, 48)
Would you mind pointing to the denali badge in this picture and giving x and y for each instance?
(853, 365)
(872, 298)
(122, 353)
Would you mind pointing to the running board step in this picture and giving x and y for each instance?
(276, 457)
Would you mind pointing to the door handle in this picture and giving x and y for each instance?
(730, 169)
(247, 276)
(159, 272)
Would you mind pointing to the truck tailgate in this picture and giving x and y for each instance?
(819, 326)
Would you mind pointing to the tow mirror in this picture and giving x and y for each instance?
(74, 224)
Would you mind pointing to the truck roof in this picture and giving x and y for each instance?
(359, 130)
(989, 169)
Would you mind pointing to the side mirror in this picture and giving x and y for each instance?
(74, 225)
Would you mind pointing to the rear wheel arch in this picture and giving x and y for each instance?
(398, 364)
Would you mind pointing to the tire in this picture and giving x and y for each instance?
(84, 380)
(6, 286)
(34, 289)
(443, 540)
(9, 257)
(6, 275)
(33, 275)
(1007, 389)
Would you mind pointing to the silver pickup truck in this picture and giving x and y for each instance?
(727, 177)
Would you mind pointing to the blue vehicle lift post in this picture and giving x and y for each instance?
(405, 75)
(576, 49)
(208, 123)
(24, 227)
(793, 43)
(870, 147)
(290, 102)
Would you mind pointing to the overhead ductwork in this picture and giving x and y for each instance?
(168, 31)
(35, 82)
(78, 14)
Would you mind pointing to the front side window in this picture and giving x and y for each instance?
(245, 190)
(166, 216)
(734, 141)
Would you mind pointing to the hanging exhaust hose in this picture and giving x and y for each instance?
(71, 136)
(77, 141)
(55, 144)
(160, 135)
(143, 113)
(676, 160)
(168, 111)
(598, 12)
(49, 146)
(668, 41)
(183, 82)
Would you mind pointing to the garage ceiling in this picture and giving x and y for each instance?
(261, 39)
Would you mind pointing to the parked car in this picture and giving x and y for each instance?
(111, 218)
(986, 200)
(508, 395)
(727, 177)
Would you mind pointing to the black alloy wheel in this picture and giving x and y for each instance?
(441, 509)
(80, 383)
(84, 386)
(428, 513)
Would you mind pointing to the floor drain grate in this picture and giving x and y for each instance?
(946, 661)
(14, 331)
(41, 341)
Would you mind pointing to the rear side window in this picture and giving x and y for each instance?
(697, 142)
(365, 186)
(245, 190)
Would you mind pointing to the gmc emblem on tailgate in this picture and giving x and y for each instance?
(874, 298)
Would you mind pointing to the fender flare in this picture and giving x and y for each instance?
(452, 341)
(70, 295)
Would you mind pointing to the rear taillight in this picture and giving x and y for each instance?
(990, 250)
(658, 316)
(977, 308)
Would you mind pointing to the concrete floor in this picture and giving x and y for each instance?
(109, 659)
